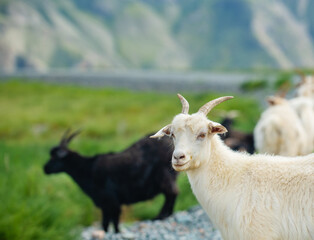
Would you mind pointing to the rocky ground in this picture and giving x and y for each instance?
(192, 224)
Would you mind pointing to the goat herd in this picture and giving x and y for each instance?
(269, 195)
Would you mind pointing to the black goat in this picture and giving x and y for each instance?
(237, 140)
(138, 173)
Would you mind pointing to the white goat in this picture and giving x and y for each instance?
(303, 104)
(246, 196)
(279, 130)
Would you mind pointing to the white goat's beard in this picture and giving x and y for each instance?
(191, 164)
(180, 165)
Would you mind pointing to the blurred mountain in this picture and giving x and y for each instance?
(150, 34)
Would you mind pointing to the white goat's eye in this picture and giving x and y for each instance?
(172, 135)
(201, 136)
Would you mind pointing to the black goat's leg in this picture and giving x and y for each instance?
(115, 218)
(105, 219)
(168, 206)
(170, 191)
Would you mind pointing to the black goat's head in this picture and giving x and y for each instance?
(59, 154)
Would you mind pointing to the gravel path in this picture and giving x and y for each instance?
(192, 224)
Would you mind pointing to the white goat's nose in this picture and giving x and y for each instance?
(178, 155)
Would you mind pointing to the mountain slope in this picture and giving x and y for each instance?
(57, 34)
(285, 37)
(148, 34)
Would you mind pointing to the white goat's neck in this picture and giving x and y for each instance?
(214, 182)
(217, 164)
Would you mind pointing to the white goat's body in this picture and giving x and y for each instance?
(256, 197)
(304, 107)
(279, 131)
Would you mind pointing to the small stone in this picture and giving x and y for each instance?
(183, 218)
(128, 236)
(98, 234)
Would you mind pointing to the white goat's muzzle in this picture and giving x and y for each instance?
(179, 160)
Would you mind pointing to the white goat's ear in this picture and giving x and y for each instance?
(217, 128)
(162, 132)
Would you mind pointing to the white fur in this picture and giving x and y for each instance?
(304, 107)
(247, 197)
(303, 104)
(279, 131)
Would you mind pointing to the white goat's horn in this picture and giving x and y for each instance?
(210, 105)
(185, 104)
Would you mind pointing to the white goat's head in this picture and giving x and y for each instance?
(276, 100)
(191, 134)
(306, 87)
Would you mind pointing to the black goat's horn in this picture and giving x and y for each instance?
(64, 138)
(77, 132)
(210, 105)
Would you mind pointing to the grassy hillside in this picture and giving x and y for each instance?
(34, 117)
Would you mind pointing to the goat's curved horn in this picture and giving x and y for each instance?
(210, 105)
(64, 138)
(77, 132)
(301, 74)
(283, 92)
(185, 104)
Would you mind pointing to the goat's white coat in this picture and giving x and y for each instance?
(280, 131)
(256, 197)
(303, 104)
(246, 197)
(304, 107)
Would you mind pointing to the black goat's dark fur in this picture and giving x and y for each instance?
(138, 173)
(237, 140)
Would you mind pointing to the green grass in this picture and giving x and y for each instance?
(34, 117)
(254, 85)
